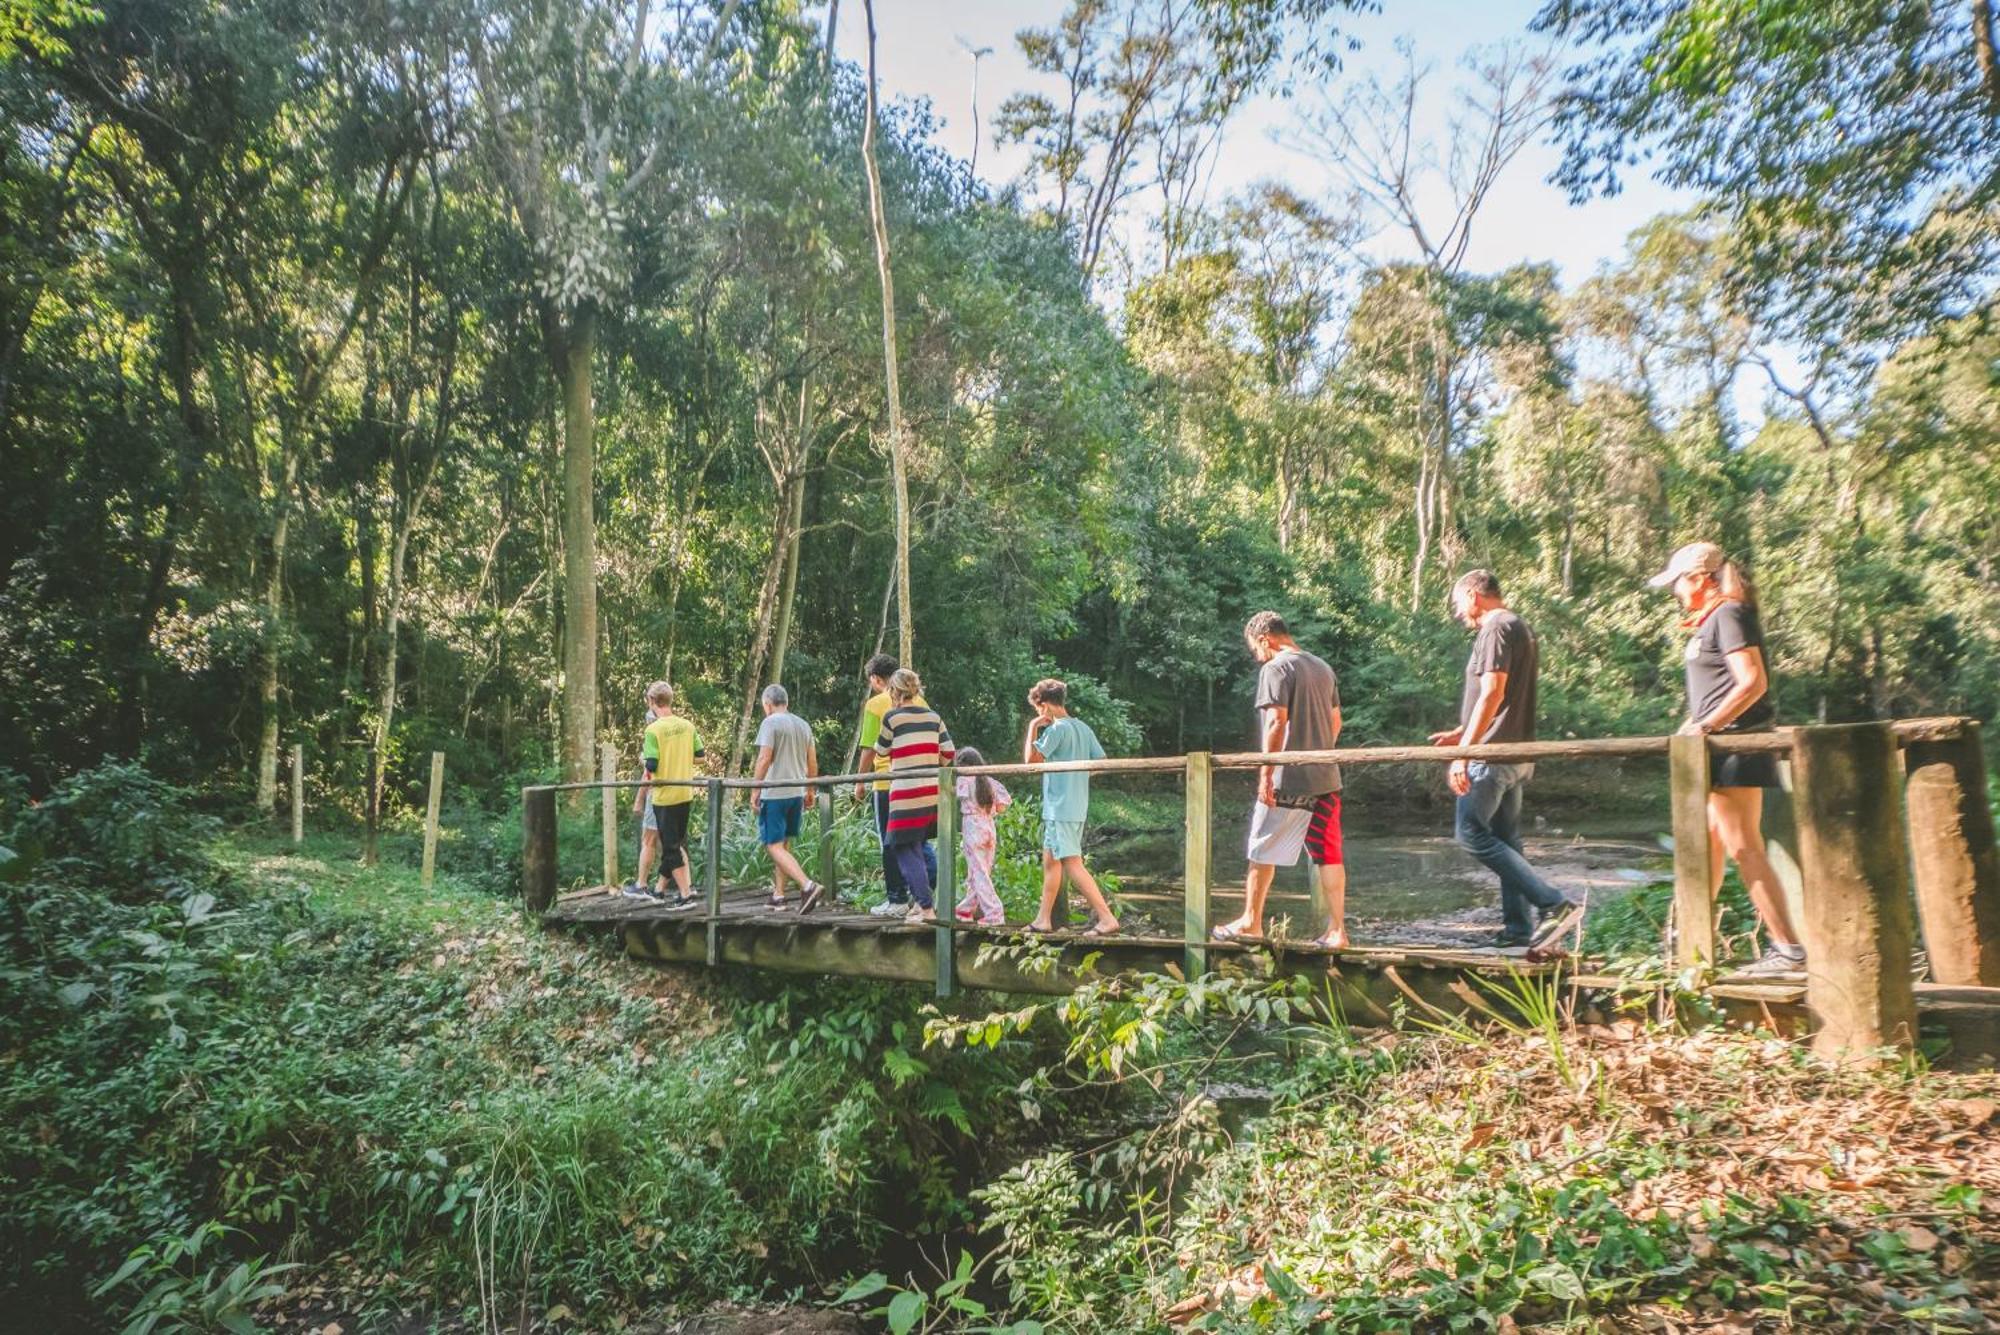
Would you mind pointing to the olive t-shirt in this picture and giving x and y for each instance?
(1504, 644)
(1304, 686)
(1731, 626)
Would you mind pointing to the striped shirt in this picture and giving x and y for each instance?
(912, 737)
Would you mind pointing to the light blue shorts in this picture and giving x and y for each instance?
(1063, 838)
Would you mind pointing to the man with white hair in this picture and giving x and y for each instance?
(785, 754)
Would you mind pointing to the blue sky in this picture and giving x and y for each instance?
(1527, 218)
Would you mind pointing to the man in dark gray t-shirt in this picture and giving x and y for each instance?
(1498, 705)
(1297, 810)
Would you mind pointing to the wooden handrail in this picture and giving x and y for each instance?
(1779, 740)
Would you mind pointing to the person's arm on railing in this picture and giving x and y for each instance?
(1277, 722)
(1747, 666)
(1492, 690)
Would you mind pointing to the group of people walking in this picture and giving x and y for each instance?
(1297, 809)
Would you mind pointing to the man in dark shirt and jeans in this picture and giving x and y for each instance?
(1499, 706)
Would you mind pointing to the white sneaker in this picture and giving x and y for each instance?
(889, 908)
(1774, 963)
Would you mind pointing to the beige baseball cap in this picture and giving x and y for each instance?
(1705, 557)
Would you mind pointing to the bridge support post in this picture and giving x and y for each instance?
(607, 770)
(538, 848)
(1694, 874)
(298, 793)
(1953, 855)
(711, 870)
(1857, 927)
(945, 893)
(1194, 865)
(828, 854)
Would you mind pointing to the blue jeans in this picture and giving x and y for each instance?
(893, 881)
(917, 864)
(1488, 826)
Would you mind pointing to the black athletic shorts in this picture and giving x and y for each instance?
(672, 823)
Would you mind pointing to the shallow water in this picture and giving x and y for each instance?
(1409, 875)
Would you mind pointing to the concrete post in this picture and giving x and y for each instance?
(944, 895)
(1857, 926)
(538, 848)
(607, 770)
(1953, 856)
(711, 869)
(298, 793)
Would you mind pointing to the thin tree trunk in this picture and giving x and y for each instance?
(573, 352)
(1982, 46)
(881, 633)
(878, 219)
(760, 641)
(270, 652)
(782, 637)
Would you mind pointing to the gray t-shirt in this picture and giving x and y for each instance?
(1731, 626)
(790, 738)
(1504, 644)
(1304, 686)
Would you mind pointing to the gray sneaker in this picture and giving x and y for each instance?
(1774, 963)
(1557, 922)
(889, 908)
(633, 890)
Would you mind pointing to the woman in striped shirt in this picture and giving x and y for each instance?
(913, 737)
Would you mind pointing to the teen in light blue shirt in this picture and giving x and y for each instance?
(1054, 736)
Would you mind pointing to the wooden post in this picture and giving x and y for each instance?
(1857, 926)
(431, 818)
(607, 769)
(828, 859)
(711, 869)
(1954, 858)
(944, 895)
(1194, 865)
(298, 793)
(1694, 876)
(538, 848)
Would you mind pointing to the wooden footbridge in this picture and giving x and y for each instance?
(1894, 845)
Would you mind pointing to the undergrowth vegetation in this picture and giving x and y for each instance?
(207, 1066)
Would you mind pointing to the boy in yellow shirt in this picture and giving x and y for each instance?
(668, 753)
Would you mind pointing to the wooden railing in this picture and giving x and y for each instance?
(1862, 850)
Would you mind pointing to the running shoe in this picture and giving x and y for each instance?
(810, 900)
(684, 903)
(1557, 921)
(1774, 963)
(633, 890)
(889, 908)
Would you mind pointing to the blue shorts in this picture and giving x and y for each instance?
(1063, 838)
(778, 819)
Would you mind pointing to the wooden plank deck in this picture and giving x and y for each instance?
(1372, 984)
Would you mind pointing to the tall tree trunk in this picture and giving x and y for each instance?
(879, 221)
(782, 638)
(760, 640)
(573, 349)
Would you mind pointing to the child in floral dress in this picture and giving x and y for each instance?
(980, 802)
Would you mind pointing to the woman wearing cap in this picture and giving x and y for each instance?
(1729, 691)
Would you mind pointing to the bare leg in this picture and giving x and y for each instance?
(1081, 878)
(1737, 817)
(786, 865)
(1333, 898)
(649, 853)
(1051, 887)
(1256, 886)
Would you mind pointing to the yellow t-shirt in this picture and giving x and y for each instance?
(872, 715)
(668, 752)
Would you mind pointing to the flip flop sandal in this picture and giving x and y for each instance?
(1227, 932)
(1029, 929)
(1098, 933)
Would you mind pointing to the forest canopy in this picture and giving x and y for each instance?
(389, 378)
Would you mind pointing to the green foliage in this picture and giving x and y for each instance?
(427, 1089)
